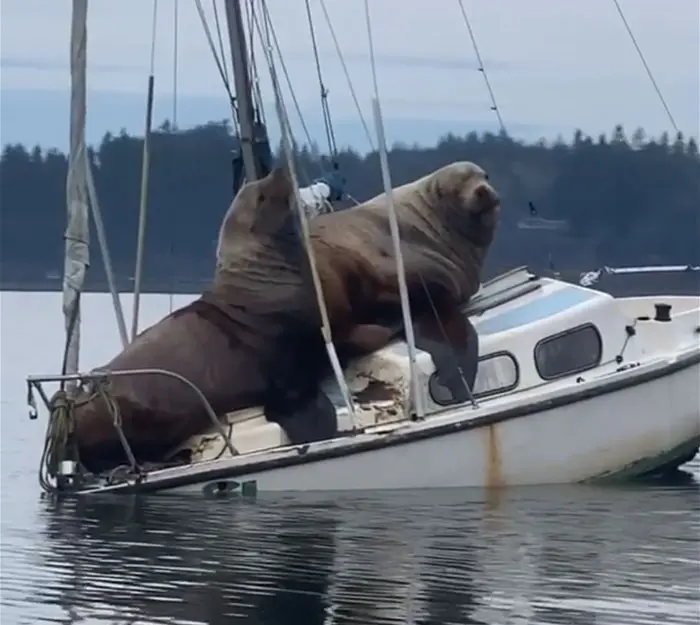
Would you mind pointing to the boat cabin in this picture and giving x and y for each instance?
(531, 332)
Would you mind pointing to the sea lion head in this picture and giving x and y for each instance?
(262, 213)
(469, 206)
(263, 206)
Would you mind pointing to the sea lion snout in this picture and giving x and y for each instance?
(487, 199)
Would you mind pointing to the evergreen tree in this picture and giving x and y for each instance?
(600, 201)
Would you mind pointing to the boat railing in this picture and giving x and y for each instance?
(61, 404)
(589, 278)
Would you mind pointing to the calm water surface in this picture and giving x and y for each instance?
(555, 555)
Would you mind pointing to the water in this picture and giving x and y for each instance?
(546, 555)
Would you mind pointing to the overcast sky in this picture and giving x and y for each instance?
(554, 65)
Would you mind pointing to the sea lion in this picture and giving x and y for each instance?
(235, 342)
(447, 222)
(241, 343)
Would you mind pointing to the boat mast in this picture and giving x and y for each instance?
(77, 256)
(254, 145)
(81, 197)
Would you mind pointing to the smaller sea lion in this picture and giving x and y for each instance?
(234, 342)
(447, 222)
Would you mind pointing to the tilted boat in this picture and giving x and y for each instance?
(572, 385)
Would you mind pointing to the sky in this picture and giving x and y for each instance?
(554, 65)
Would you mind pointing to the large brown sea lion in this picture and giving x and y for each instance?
(234, 342)
(447, 222)
(254, 339)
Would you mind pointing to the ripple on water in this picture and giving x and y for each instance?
(578, 555)
(609, 556)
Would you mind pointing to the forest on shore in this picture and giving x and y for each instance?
(575, 205)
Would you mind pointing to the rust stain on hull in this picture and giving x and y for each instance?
(495, 483)
(494, 459)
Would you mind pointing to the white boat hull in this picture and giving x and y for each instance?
(640, 425)
(551, 408)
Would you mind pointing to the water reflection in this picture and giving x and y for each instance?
(540, 556)
(161, 561)
(569, 555)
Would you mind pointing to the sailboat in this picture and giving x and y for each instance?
(572, 385)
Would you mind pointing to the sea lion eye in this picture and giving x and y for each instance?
(261, 198)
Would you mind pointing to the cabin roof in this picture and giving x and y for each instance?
(518, 312)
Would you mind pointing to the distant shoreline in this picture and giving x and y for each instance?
(187, 287)
(618, 285)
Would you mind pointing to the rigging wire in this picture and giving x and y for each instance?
(287, 79)
(145, 169)
(222, 50)
(288, 149)
(268, 40)
(646, 66)
(271, 44)
(175, 60)
(171, 303)
(481, 68)
(222, 71)
(255, 75)
(372, 61)
(382, 140)
(327, 121)
(494, 104)
(339, 52)
(153, 37)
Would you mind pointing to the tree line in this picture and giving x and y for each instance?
(570, 205)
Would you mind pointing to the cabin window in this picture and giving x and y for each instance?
(496, 373)
(569, 352)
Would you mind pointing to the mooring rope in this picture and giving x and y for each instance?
(59, 442)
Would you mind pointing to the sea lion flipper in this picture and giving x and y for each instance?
(453, 344)
(315, 420)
